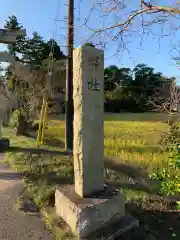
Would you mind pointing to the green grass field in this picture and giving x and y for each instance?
(130, 138)
(134, 139)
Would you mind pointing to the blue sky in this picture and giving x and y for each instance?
(36, 15)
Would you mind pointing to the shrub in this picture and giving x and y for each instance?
(15, 118)
(21, 123)
(116, 102)
(169, 181)
(170, 177)
(174, 135)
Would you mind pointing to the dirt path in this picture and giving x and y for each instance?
(15, 225)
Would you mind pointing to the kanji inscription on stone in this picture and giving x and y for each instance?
(93, 85)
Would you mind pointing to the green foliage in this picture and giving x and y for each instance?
(13, 24)
(171, 186)
(21, 123)
(32, 50)
(135, 88)
(116, 101)
(15, 118)
(169, 177)
(174, 134)
(114, 77)
(28, 77)
(89, 44)
(169, 180)
(37, 50)
(176, 156)
(178, 205)
(10, 84)
(52, 46)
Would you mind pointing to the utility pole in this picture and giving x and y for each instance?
(69, 79)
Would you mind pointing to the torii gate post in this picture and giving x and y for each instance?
(6, 37)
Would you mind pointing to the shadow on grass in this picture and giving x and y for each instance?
(144, 149)
(47, 183)
(157, 220)
(54, 142)
(48, 141)
(129, 186)
(50, 177)
(128, 170)
(10, 176)
(38, 151)
(28, 206)
(43, 173)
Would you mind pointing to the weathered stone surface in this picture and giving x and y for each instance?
(86, 215)
(88, 94)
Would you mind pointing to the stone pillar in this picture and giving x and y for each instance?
(88, 94)
(92, 210)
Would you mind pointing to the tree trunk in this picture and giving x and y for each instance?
(7, 117)
(22, 126)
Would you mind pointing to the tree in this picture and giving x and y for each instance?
(17, 48)
(166, 98)
(116, 80)
(31, 85)
(115, 77)
(52, 46)
(145, 82)
(32, 50)
(37, 50)
(89, 44)
(135, 89)
(26, 79)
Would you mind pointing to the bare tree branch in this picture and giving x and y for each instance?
(146, 8)
(31, 84)
(119, 18)
(166, 99)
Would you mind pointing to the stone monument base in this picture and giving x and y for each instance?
(88, 216)
(4, 144)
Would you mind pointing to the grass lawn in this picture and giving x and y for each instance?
(134, 139)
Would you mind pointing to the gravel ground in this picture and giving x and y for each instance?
(15, 225)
